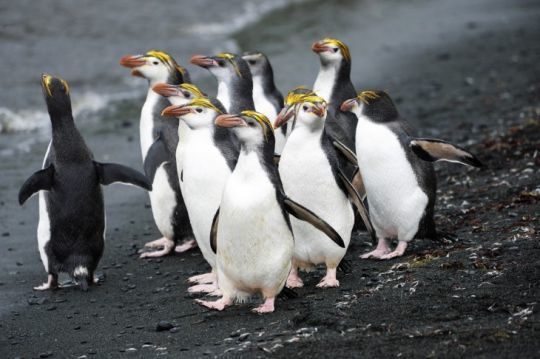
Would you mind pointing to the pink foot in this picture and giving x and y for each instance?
(398, 252)
(216, 293)
(219, 304)
(166, 244)
(266, 307)
(203, 288)
(381, 250)
(50, 284)
(294, 280)
(330, 280)
(205, 278)
(186, 246)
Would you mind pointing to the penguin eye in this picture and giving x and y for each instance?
(187, 94)
(155, 62)
(252, 62)
(221, 63)
(198, 109)
(335, 49)
(305, 108)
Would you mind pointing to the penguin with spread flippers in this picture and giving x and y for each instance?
(209, 155)
(71, 227)
(159, 140)
(251, 231)
(397, 171)
(311, 170)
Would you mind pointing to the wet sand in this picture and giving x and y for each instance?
(474, 294)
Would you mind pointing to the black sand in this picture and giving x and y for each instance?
(476, 295)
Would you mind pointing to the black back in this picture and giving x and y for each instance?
(240, 87)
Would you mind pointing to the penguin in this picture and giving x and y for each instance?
(159, 140)
(251, 230)
(333, 84)
(398, 172)
(71, 227)
(312, 174)
(235, 85)
(267, 98)
(209, 156)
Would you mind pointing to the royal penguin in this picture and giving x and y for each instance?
(251, 230)
(159, 141)
(235, 85)
(267, 98)
(311, 170)
(71, 229)
(208, 158)
(397, 171)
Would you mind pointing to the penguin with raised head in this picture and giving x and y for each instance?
(312, 173)
(251, 230)
(266, 97)
(209, 156)
(159, 140)
(235, 85)
(397, 171)
(71, 227)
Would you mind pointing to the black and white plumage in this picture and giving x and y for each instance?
(71, 225)
(159, 141)
(400, 186)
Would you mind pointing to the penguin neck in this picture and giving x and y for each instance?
(264, 83)
(333, 82)
(307, 134)
(236, 94)
(68, 144)
(251, 155)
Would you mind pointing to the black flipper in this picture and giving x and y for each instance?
(156, 155)
(213, 232)
(431, 150)
(111, 172)
(347, 153)
(357, 201)
(276, 159)
(40, 181)
(305, 214)
(358, 184)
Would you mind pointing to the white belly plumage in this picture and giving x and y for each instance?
(264, 106)
(308, 179)
(223, 96)
(163, 202)
(146, 125)
(255, 245)
(396, 201)
(205, 172)
(44, 224)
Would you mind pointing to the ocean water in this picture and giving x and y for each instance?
(83, 40)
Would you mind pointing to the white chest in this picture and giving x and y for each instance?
(224, 96)
(262, 104)
(395, 198)
(324, 83)
(146, 125)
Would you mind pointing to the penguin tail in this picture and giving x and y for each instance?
(83, 277)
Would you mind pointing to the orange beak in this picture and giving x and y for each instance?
(176, 111)
(347, 105)
(132, 62)
(202, 61)
(284, 115)
(230, 121)
(319, 47)
(319, 109)
(165, 90)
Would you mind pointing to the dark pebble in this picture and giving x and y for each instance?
(45, 355)
(243, 337)
(51, 308)
(5, 234)
(163, 325)
(174, 330)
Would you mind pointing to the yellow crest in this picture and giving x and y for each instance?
(203, 102)
(261, 119)
(366, 96)
(344, 48)
(164, 57)
(230, 57)
(192, 89)
(294, 95)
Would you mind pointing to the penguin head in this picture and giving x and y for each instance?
(307, 109)
(253, 129)
(376, 105)
(225, 66)
(332, 51)
(56, 94)
(258, 63)
(199, 113)
(178, 94)
(155, 66)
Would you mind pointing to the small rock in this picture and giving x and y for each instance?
(243, 337)
(45, 354)
(164, 325)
